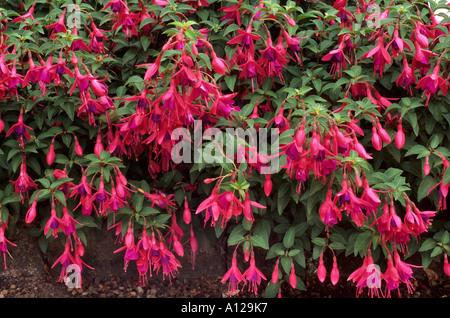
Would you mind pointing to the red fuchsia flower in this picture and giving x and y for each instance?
(11, 79)
(77, 43)
(253, 276)
(274, 61)
(251, 69)
(368, 275)
(24, 183)
(417, 221)
(381, 56)
(102, 197)
(391, 277)
(153, 69)
(245, 38)
(4, 243)
(293, 44)
(53, 223)
(421, 60)
(233, 276)
(407, 76)
(338, 59)
(58, 26)
(96, 44)
(370, 196)
(127, 21)
(223, 105)
(28, 15)
(167, 261)
(280, 121)
(117, 6)
(68, 222)
(351, 203)
(20, 130)
(247, 209)
(404, 272)
(65, 260)
(432, 82)
(232, 13)
(397, 44)
(81, 81)
(443, 192)
(329, 213)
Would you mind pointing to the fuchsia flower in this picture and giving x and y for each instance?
(232, 13)
(233, 276)
(245, 38)
(407, 76)
(368, 275)
(21, 130)
(4, 243)
(338, 59)
(432, 82)
(329, 213)
(253, 276)
(24, 183)
(273, 59)
(381, 56)
(28, 15)
(404, 272)
(58, 26)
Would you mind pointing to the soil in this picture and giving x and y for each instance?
(29, 275)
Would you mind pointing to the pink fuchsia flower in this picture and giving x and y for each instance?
(338, 59)
(432, 82)
(397, 44)
(381, 56)
(329, 213)
(253, 276)
(24, 183)
(53, 223)
(65, 260)
(368, 275)
(234, 277)
(232, 13)
(167, 261)
(245, 38)
(443, 192)
(407, 76)
(404, 272)
(58, 26)
(20, 130)
(391, 277)
(4, 243)
(28, 15)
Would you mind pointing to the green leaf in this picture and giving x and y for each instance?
(428, 244)
(289, 237)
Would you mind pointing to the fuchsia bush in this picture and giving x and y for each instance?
(92, 93)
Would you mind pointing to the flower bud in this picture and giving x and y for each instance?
(334, 276)
(321, 270)
(51, 154)
(400, 137)
(268, 185)
(426, 166)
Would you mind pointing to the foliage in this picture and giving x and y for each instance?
(94, 95)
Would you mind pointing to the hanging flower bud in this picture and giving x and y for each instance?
(321, 270)
(51, 154)
(275, 273)
(334, 276)
(400, 137)
(426, 166)
(300, 136)
(383, 134)
(186, 213)
(31, 213)
(376, 139)
(219, 65)
(358, 179)
(292, 277)
(314, 145)
(129, 238)
(98, 148)
(194, 246)
(178, 247)
(446, 265)
(78, 149)
(268, 185)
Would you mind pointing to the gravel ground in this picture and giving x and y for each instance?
(29, 276)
